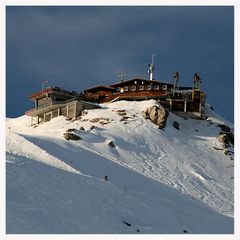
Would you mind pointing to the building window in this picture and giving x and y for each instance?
(141, 88)
(156, 87)
(149, 87)
(164, 87)
(118, 89)
(126, 89)
(133, 88)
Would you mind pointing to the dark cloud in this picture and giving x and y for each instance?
(79, 47)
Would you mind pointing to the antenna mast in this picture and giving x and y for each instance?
(122, 75)
(196, 81)
(43, 82)
(175, 84)
(151, 68)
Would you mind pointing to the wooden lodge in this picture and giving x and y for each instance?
(184, 99)
(54, 101)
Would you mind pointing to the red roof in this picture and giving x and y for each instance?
(38, 94)
(50, 90)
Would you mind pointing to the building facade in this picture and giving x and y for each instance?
(53, 102)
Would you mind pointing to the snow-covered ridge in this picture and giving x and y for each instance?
(180, 176)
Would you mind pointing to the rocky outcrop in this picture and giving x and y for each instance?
(70, 130)
(92, 127)
(224, 128)
(223, 138)
(226, 135)
(230, 137)
(111, 144)
(70, 136)
(157, 114)
(176, 125)
(226, 138)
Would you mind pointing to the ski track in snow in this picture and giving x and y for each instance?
(149, 151)
(18, 145)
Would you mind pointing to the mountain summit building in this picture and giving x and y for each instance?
(53, 101)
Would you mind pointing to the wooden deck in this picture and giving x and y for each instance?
(138, 95)
(69, 109)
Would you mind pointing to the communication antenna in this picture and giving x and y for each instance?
(43, 82)
(196, 81)
(122, 75)
(151, 68)
(175, 84)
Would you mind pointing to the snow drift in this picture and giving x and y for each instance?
(160, 180)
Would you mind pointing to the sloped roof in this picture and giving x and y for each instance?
(138, 79)
(50, 90)
(98, 88)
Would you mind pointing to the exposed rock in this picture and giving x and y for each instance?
(224, 128)
(94, 120)
(122, 113)
(82, 129)
(124, 118)
(145, 114)
(100, 120)
(102, 123)
(92, 127)
(84, 112)
(226, 138)
(226, 151)
(223, 138)
(157, 114)
(111, 144)
(176, 125)
(71, 136)
(70, 130)
(230, 137)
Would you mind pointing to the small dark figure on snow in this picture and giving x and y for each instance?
(106, 178)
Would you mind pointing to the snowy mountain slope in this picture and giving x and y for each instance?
(160, 181)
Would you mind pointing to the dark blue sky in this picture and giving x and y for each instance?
(80, 47)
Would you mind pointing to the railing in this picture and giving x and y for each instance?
(56, 103)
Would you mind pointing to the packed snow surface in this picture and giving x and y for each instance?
(160, 181)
